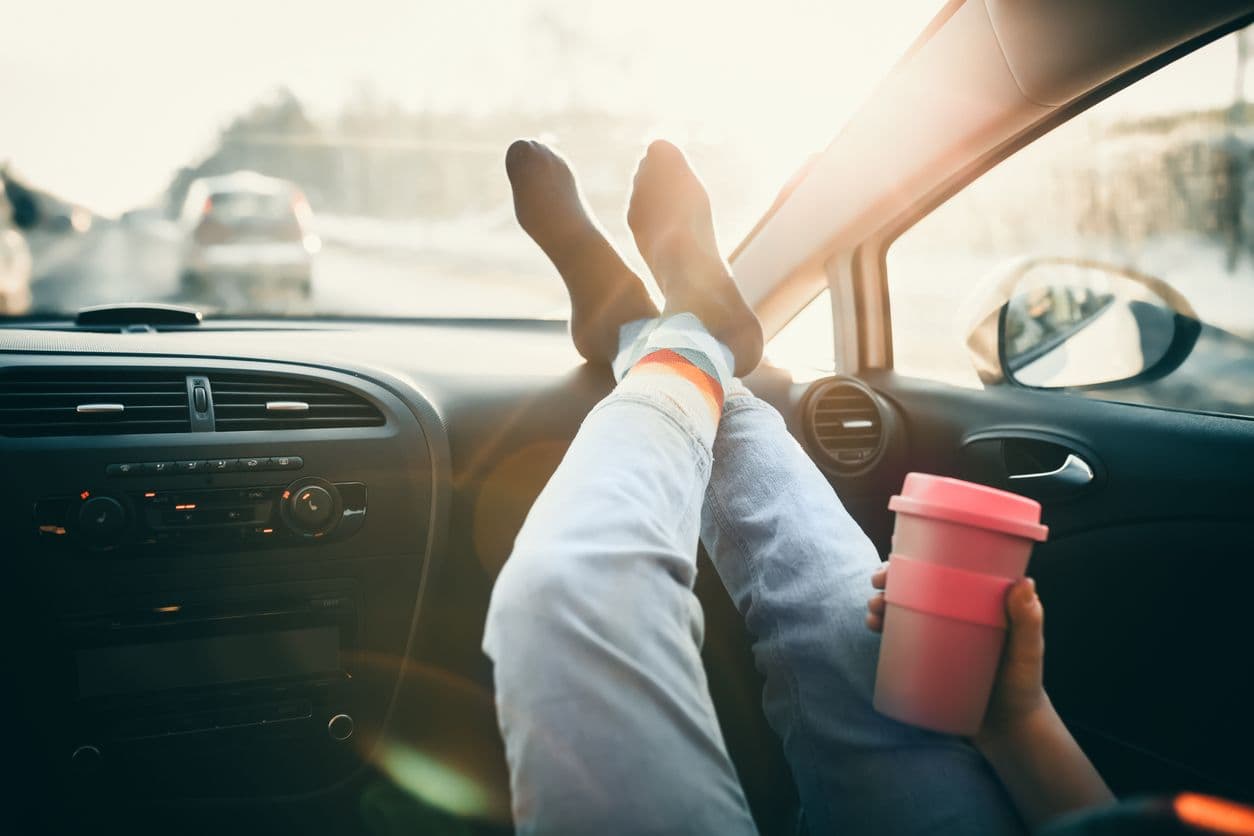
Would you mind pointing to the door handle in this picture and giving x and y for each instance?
(1074, 472)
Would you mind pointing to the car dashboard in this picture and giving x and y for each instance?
(251, 561)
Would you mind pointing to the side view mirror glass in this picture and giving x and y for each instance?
(1072, 323)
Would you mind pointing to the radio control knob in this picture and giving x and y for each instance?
(340, 728)
(311, 507)
(101, 520)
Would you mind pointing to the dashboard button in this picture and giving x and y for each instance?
(340, 728)
(193, 466)
(351, 521)
(51, 516)
(101, 520)
(86, 759)
(126, 469)
(182, 516)
(200, 399)
(353, 494)
(287, 463)
(312, 507)
(156, 468)
(220, 465)
(259, 533)
(353, 515)
(251, 464)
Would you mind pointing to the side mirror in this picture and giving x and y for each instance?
(1052, 323)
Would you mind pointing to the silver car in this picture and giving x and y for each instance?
(248, 230)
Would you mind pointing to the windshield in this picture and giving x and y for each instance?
(273, 158)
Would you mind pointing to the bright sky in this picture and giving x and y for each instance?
(101, 101)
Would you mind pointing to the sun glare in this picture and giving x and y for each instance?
(761, 85)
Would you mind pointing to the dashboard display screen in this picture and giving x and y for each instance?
(213, 660)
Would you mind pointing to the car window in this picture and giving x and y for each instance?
(1112, 258)
(243, 207)
(805, 346)
(392, 118)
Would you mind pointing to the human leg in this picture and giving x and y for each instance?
(798, 568)
(593, 628)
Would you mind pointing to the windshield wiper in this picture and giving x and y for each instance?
(140, 316)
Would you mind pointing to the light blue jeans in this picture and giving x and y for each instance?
(595, 634)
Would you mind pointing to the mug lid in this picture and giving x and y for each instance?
(955, 500)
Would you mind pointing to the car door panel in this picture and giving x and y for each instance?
(1146, 575)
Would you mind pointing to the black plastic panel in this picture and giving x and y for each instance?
(262, 737)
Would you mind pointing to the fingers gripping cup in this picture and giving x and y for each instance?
(957, 548)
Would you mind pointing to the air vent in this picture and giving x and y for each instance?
(846, 424)
(280, 402)
(92, 401)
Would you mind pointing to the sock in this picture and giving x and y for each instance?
(676, 358)
(631, 342)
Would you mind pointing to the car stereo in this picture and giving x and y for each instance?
(306, 510)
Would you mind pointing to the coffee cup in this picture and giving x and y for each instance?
(957, 549)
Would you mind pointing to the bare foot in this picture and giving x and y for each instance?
(604, 293)
(670, 217)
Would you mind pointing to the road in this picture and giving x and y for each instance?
(114, 263)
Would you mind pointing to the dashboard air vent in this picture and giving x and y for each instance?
(92, 401)
(846, 424)
(281, 402)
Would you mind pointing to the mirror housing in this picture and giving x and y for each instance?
(1056, 322)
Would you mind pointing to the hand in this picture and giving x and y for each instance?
(1023, 738)
(1018, 691)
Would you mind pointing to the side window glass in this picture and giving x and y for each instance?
(806, 346)
(1112, 258)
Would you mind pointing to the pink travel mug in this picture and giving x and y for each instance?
(957, 548)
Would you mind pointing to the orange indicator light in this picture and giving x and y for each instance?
(170, 608)
(287, 494)
(149, 494)
(188, 506)
(84, 494)
(267, 531)
(1214, 814)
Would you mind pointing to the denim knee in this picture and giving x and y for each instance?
(528, 602)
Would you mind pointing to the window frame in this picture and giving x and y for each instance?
(979, 166)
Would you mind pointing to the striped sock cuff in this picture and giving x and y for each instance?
(675, 361)
(683, 334)
(670, 362)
